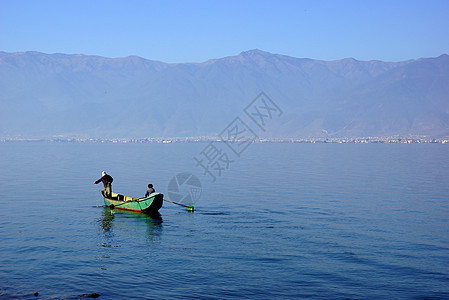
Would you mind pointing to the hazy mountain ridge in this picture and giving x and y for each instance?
(45, 95)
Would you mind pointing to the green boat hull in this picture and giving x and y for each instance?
(150, 204)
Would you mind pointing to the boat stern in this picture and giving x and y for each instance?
(156, 204)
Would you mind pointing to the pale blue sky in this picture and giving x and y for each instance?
(195, 31)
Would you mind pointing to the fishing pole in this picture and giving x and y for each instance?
(189, 207)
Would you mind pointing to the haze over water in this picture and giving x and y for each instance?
(315, 221)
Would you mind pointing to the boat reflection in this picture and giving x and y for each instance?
(113, 221)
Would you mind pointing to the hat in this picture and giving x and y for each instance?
(103, 173)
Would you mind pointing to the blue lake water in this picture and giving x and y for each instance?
(320, 221)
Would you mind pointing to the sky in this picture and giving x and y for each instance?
(196, 30)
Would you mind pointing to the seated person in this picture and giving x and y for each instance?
(150, 190)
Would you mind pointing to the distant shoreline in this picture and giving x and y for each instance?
(345, 140)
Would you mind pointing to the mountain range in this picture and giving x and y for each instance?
(83, 96)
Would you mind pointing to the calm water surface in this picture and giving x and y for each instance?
(314, 221)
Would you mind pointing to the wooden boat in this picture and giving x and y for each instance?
(149, 205)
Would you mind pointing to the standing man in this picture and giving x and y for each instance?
(107, 181)
(150, 190)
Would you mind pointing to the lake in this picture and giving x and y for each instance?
(320, 221)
